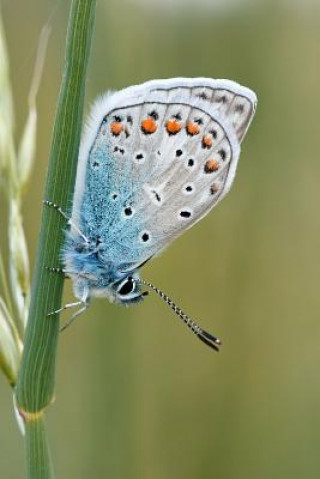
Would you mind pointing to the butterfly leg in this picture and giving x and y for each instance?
(73, 317)
(50, 204)
(66, 306)
(67, 273)
(57, 270)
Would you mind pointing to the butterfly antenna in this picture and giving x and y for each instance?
(207, 338)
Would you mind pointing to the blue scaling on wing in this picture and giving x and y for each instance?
(109, 216)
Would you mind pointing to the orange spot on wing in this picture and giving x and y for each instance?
(173, 126)
(211, 166)
(149, 125)
(207, 141)
(193, 129)
(116, 128)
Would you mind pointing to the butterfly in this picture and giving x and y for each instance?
(154, 159)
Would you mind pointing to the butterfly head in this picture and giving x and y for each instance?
(127, 291)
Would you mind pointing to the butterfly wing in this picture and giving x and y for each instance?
(235, 102)
(155, 159)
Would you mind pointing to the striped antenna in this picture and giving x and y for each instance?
(207, 338)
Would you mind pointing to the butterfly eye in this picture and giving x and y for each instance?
(126, 287)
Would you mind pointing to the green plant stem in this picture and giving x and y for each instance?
(39, 464)
(35, 387)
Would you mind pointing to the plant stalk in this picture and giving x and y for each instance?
(38, 459)
(35, 387)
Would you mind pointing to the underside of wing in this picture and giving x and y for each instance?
(233, 101)
(155, 159)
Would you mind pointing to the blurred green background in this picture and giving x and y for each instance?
(137, 395)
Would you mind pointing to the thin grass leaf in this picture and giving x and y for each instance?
(26, 152)
(4, 285)
(19, 262)
(6, 106)
(18, 417)
(10, 346)
(7, 151)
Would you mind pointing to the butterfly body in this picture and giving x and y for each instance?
(154, 159)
